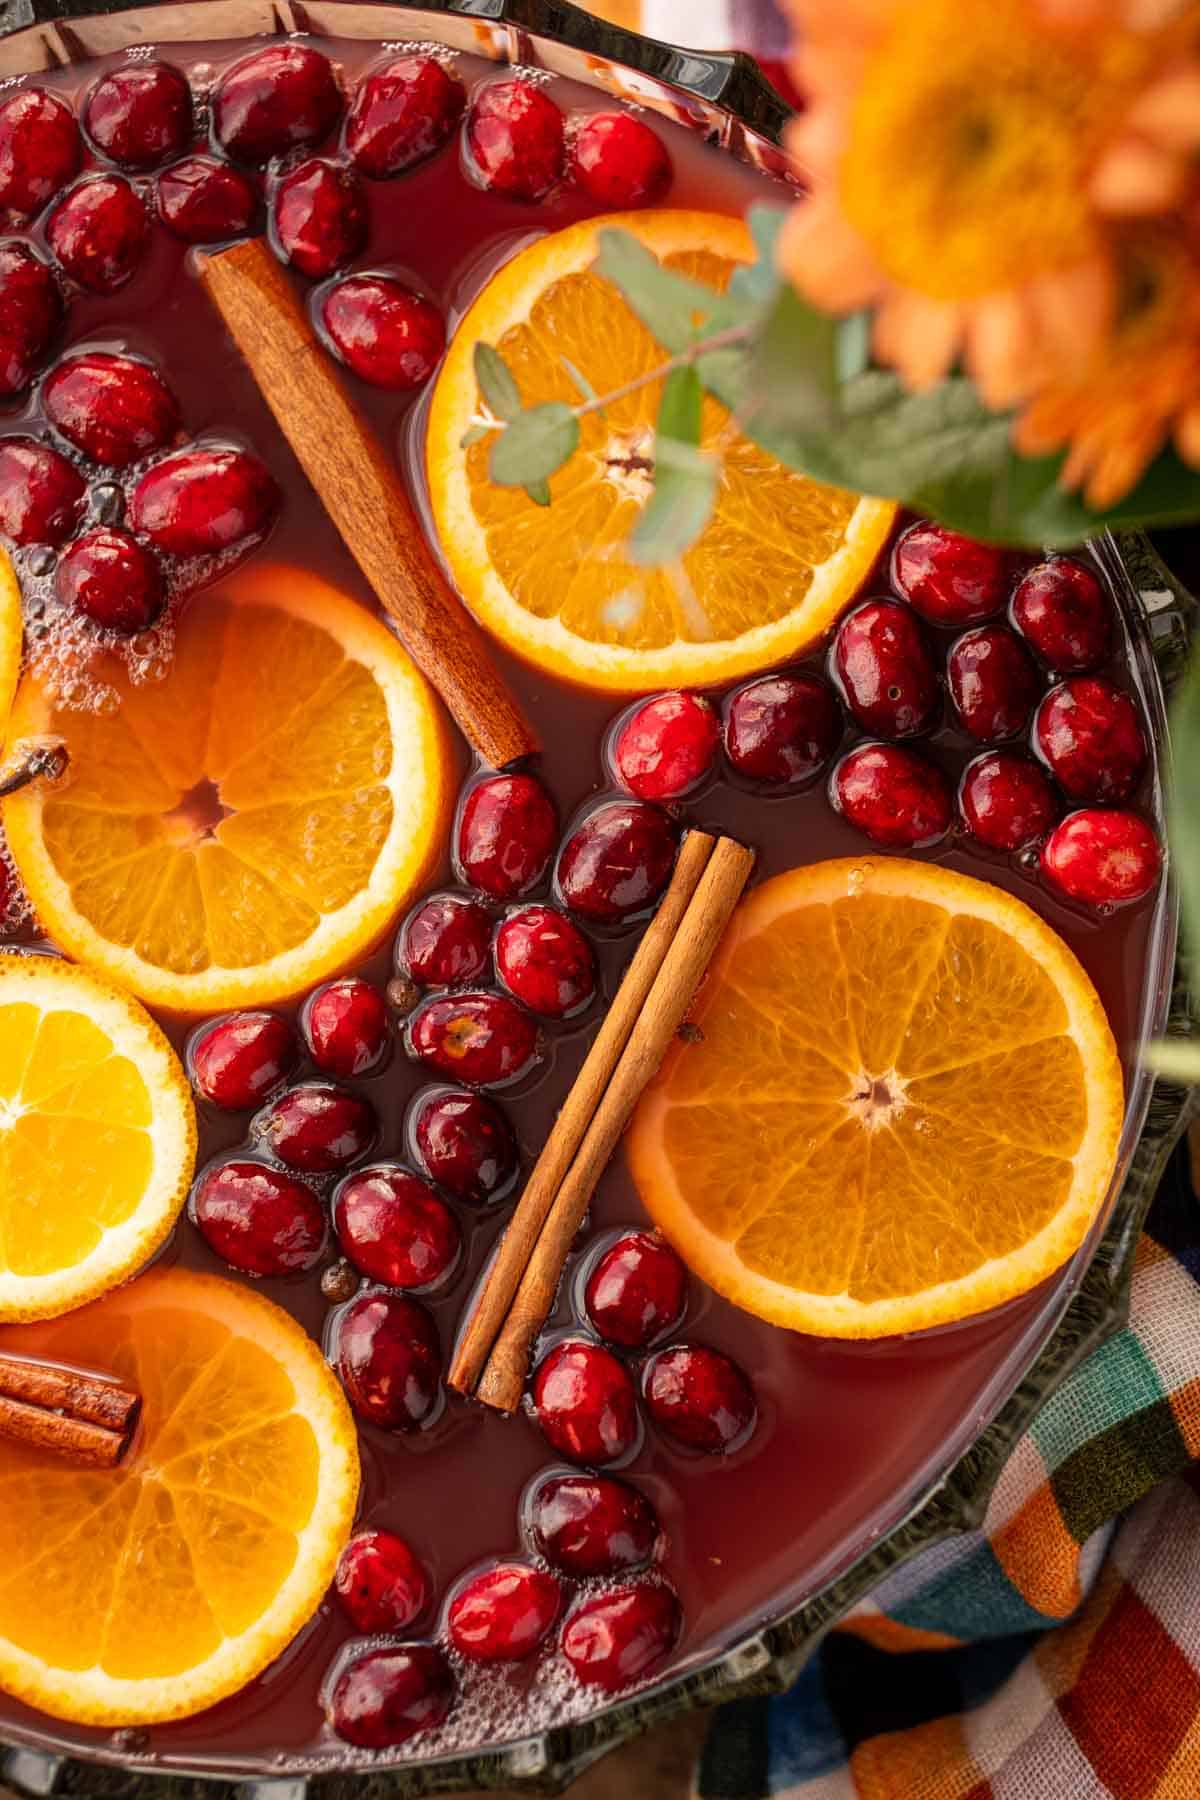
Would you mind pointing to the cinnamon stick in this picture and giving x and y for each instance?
(508, 1266)
(86, 1418)
(362, 493)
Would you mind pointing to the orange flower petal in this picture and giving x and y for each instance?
(815, 140)
(1138, 177)
(1169, 112)
(919, 338)
(1074, 309)
(1187, 435)
(1001, 345)
(825, 258)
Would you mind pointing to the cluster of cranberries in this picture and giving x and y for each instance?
(937, 648)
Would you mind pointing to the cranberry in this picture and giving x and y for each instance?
(111, 579)
(546, 961)
(380, 1583)
(41, 494)
(617, 1638)
(346, 1026)
(700, 1398)
(31, 311)
(782, 728)
(948, 578)
(204, 201)
(401, 114)
(389, 1360)
(387, 1696)
(637, 1290)
(447, 939)
(199, 502)
(113, 408)
(260, 1220)
(1103, 858)
(1087, 732)
(140, 115)
(483, 1039)
(894, 795)
(237, 1061)
(586, 1402)
(993, 682)
(466, 1144)
(503, 1613)
(40, 149)
(317, 1127)
(516, 137)
(318, 216)
(281, 98)
(884, 668)
(1006, 800)
(589, 1525)
(666, 745)
(1061, 609)
(97, 232)
(620, 162)
(617, 862)
(506, 834)
(383, 331)
(394, 1228)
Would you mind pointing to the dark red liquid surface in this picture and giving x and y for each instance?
(848, 1435)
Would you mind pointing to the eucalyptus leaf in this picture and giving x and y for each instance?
(539, 492)
(496, 382)
(759, 281)
(586, 390)
(536, 443)
(685, 477)
(792, 379)
(679, 408)
(474, 434)
(671, 307)
(1176, 1058)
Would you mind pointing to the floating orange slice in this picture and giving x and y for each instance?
(902, 1105)
(778, 560)
(175, 1579)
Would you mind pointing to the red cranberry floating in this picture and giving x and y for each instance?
(281, 98)
(1007, 801)
(346, 1026)
(993, 682)
(666, 746)
(589, 1525)
(637, 1290)
(140, 115)
(388, 1696)
(586, 1402)
(617, 862)
(318, 216)
(260, 1220)
(31, 311)
(546, 961)
(97, 232)
(199, 502)
(506, 833)
(394, 1227)
(782, 728)
(380, 1583)
(894, 795)
(41, 493)
(113, 408)
(384, 332)
(503, 1613)
(884, 669)
(700, 1398)
(40, 149)
(485, 1040)
(620, 162)
(111, 579)
(1103, 858)
(948, 578)
(516, 137)
(236, 1062)
(1087, 732)
(447, 939)
(617, 1638)
(401, 114)
(317, 1128)
(1061, 609)
(389, 1360)
(465, 1143)
(204, 201)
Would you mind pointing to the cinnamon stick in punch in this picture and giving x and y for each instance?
(87, 1419)
(361, 491)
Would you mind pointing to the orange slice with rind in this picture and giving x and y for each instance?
(778, 561)
(901, 1105)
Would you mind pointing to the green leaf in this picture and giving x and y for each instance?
(792, 378)
(586, 390)
(536, 443)
(474, 434)
(496, 382)
(1175, 1058)
(539, 492)
(759, 281)
(1183, 801)
(679, 408)
(685, 477)
(670, 306)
